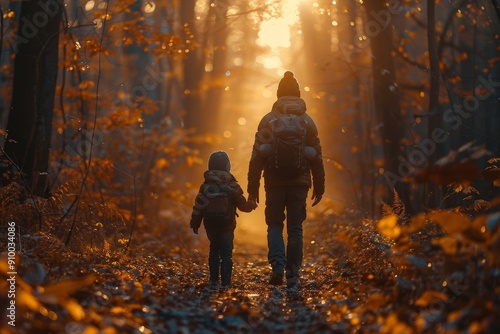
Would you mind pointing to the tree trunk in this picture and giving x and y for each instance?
(434, 68)
(218, 32)
(361, 124)
(192, 69)
(386, 98)
(35, 76)
(496, 6)
(432, 192)
(5, 78)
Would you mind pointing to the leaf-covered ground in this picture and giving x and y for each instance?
(355, 279)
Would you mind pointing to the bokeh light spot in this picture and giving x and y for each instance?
(89, 5)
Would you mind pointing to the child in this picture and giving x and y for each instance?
(216, 205)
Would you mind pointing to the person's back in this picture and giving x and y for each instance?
(215, 206)
(286, 192)
(286, 105)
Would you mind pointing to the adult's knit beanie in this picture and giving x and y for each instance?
(219, 160)
(288, 86)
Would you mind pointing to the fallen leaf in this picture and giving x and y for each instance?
(430, 297)
(388, 227)
(452, 222)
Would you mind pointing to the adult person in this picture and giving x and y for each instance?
(285, 192)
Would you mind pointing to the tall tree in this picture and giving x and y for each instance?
(434, 116)
(217, 32)
(496, 6)
(192, 67)
(35, 76)
(434, 112)
(355, 87)
(386, 95)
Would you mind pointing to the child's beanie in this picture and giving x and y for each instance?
(288, 86)
(219, 160)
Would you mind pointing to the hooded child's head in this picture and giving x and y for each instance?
(219, 160)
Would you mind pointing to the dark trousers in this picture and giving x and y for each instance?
(293, 200)
(221, 255)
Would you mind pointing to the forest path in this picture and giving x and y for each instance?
(161, 287)
(168, 292)
(251, 305)
(353, 280)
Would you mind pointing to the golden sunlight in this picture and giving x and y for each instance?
(275, 34)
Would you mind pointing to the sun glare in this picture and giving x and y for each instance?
(275, 33)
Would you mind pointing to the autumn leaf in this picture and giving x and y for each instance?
(89, 84)
(492, 173)
(448, 244)
(26, 300)
(452, 222)
(429, 297)
(91, 330)
(479, 205)
(376, 301)
(388, 227)
(8, 15)
(418, 222)
(474, 235)
(393, 324)
(75, 310)
(65, 288)
(162, 163)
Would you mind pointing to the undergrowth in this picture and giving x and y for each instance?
(433, 272)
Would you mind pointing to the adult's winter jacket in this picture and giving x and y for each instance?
(286, 105)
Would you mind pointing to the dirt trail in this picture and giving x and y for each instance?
(353, 280)
(251, 305)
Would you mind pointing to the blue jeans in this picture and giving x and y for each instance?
(220, 255)
(293, 199)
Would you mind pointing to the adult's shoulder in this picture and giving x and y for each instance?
(264, 122)
(306, 117)
(310, 122)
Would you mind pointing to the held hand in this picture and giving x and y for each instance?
(195, 230)
(253, 198)
(316, 198)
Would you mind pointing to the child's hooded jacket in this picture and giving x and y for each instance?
(218, 173)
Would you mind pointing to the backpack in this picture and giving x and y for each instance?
(289, 142)
(220, 209)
